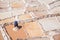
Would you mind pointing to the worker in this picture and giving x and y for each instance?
(16, 21)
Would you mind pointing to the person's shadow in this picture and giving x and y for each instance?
(19, 27)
